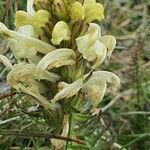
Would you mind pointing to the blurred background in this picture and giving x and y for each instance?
(128, 119)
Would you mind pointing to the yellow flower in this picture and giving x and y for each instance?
(94, 47)
(22, 78)
(24, 46)
(77, 12)
(93, 10)
(23, 18)
(60, 32)
(90, 11)
(68, 90)
(96, 86)
(37, 19)
(57, 58)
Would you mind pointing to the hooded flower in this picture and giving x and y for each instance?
(90, 11)
(94, 47)
(37, 20)
(57, 58)
(60, 32)
(55, 45)
(77, 12)
(24, 46)
(96, 86)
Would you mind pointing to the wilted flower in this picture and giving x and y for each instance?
(56, 42)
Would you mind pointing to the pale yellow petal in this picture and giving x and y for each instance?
(60, 32)
(94, 11)
(20, 50)
(69, 91)
(86, 41)
(77, 12)
(95, 89)
(101, 55)
(20, 73)
(27, 30)
(26, 43)
(94, 31)
(23, 73)
(96, 85)
(82, 43)
(110, 43)
(94, 52)
(56, 59)
(2, 26)
(41, 17)
(108, 77)
(6, 62)
(23, 18)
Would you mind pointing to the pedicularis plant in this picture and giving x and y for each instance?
(58, 51)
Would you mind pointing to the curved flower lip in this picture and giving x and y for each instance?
(26, 18)
(6, 62)
(69, 90)
(57, 58)
(94, 11)
(97, 84)
(23, 18)
(28, 42)
(24, 71)
(108, 77)
(110, 43)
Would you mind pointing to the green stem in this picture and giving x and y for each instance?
(69, 131)
(135, 140)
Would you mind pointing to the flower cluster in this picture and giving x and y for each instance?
(57, 42)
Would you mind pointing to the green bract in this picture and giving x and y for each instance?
(57, 49)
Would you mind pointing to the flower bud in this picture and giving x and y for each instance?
(60, 32)
(77, 12)
(41, 17)
(23, 18)
(60, 10)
